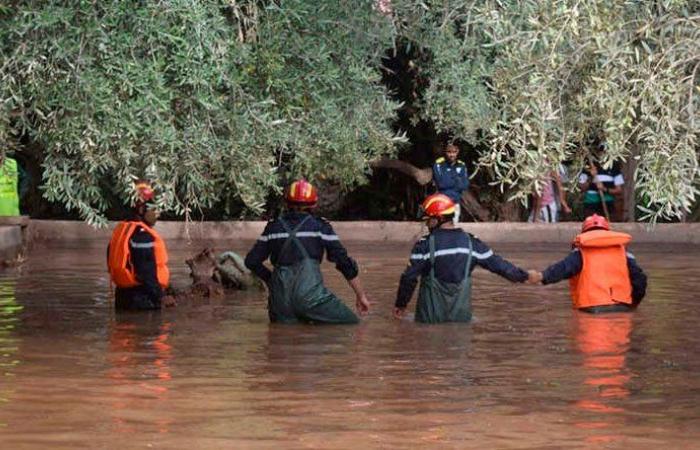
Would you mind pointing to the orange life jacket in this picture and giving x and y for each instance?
(121, 270)
(604, 278)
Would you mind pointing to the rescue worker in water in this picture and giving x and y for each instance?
(137, 258)
(444, 260)
(603, 276)
(295, 244)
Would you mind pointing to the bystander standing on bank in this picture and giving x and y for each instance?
(600, 186)
(9, 180)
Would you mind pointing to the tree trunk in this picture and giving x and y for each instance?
(424, 176)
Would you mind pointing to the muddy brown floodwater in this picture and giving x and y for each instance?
(527, 373)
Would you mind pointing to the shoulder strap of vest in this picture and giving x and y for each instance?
(469, 258)
(128, 230)
(431, 246)
(293, 237)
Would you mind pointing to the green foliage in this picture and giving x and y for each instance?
(212, 98)
(543, 77)
(202, 97)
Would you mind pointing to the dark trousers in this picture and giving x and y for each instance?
(620, 307)
(134, 299)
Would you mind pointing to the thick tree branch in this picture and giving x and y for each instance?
(424, 176)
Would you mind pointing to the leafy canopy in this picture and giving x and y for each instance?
(217, 99)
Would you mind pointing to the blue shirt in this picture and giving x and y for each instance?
(450, 179)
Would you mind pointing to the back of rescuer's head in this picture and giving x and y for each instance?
(437, 209)
(301, 194)
(145, 208)
(595, 222)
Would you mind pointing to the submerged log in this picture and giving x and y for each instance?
(232, 273)
(213, 274)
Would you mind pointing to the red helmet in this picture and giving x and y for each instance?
(595, 222)
(144, 191)
(301, 192)
(437, 205)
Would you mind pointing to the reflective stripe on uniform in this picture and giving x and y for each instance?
(301, 234)
(453, 251)
(142, 244)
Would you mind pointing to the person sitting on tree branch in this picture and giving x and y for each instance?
(450, 177)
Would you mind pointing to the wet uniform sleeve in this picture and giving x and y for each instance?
(143, 258)
(336, 253)
(417, 266)
(564, 269)
(258, 255)
(638, 279)
(486, 258)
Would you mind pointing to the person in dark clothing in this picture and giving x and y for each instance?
(295, 244)
(450, 177)
(605, 277)
(137, 258)
(444, 260)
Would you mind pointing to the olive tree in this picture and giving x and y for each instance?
(532, 81)
(206, 98)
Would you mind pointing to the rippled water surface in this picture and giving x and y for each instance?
(528, 373)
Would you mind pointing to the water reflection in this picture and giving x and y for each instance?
(528, 373)
(140, 358)
(604, 342)
(9, 341)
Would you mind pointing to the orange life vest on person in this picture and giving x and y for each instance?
(119, 262)
(604, 278)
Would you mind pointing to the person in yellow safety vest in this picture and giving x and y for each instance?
(603, 276)
(9, 176)
(137, 258)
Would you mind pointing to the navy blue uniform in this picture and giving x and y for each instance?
(450, 179)
(316, 235)
(148, 294)
(451, 254)
(573, 264)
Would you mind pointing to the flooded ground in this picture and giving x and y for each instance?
(528, 373)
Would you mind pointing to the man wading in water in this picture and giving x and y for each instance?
(137, 258)
(603, 276)
(295, 244)
(444, 259)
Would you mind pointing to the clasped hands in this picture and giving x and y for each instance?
(533, 277)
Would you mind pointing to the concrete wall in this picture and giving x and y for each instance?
(12, 237)
(62, 231)
(10, 242)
